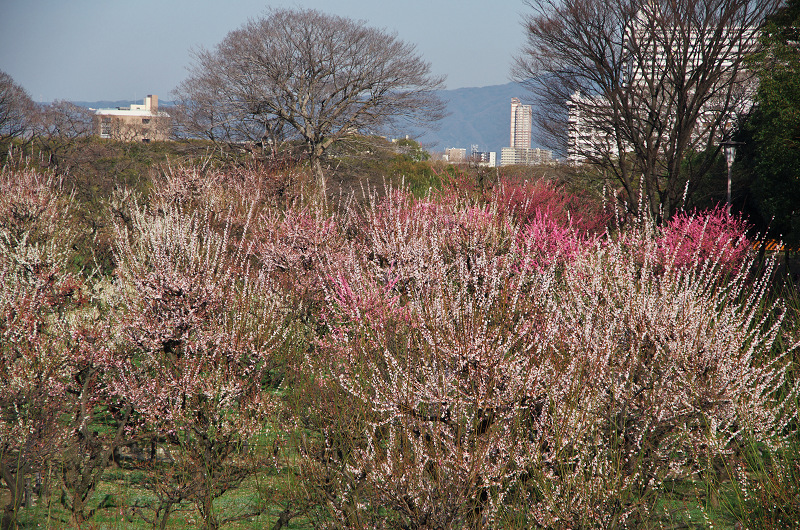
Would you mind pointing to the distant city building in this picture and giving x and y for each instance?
(482, 158)
(514, 156)
(590, 131)
(521, 124)
(455, 155)
(137, 123)
(588, 134)
(520, 151)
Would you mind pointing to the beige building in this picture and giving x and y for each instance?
(455, 155)
(137, 123)
(521, 124)
(518, 156)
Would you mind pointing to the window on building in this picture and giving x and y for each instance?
(105, 128)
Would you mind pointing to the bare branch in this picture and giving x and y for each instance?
(645, 84)
(321, 76)
(16, 109)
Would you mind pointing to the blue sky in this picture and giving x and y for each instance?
(89, 50)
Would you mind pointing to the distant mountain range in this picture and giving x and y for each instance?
(480, 116)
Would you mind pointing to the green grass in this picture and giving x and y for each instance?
(684, 504)
(120, 490)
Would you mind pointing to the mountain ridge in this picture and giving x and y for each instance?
(477, 115)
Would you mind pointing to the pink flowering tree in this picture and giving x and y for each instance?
(654, 374)
(46, 331)
(35, 369)
(202, 328)
(433, 333)
(529, 200)
(88, 448)
(488, 393)
(713, 238)
(35, 213)
(547, 242)
(292, 243)
(56, 355)
(555, 224)
(229, 191)
(33, 363)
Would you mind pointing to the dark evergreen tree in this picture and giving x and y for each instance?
(772, 152)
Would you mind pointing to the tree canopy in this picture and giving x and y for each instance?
(648, 83)
(16, 107)
(773, 144)
(307, 74)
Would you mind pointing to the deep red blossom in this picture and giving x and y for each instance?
(710, 238)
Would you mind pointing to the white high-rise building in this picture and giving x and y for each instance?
(517, 156)
(588, 134)
(521, 124)
(591, 129)
(520, 151)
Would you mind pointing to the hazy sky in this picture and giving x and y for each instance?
(90, 50)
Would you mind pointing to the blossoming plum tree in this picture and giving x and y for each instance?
(51, 347)
(434, 328)
(491, 391)
(201, 326)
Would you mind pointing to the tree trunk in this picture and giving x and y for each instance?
(86, 461)
(205, 500)
(320, 176)
(207, 511)
(161, 523)
(15, 483)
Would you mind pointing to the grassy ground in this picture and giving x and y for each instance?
(684, 504)
(120, 501)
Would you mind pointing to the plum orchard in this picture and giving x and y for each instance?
(499, 388)
(503, 361)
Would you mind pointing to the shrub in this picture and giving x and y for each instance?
(491, 393)
(202, 328)
(711, 238)
(658, 375)
(530, 201)
(433, 333)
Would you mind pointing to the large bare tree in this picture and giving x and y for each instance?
(206, 107)
(650, 86)
(55, 128)
(16, 109)
(322, 77)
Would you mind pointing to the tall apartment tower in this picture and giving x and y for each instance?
(521, 124)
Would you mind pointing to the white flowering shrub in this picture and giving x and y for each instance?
(201, 328)
(498, 391)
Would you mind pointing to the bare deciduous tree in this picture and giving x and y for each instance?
(649, 83)
(57, 125)
(204, 109)
(16, 107)
(64, 119)
(324, 77)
